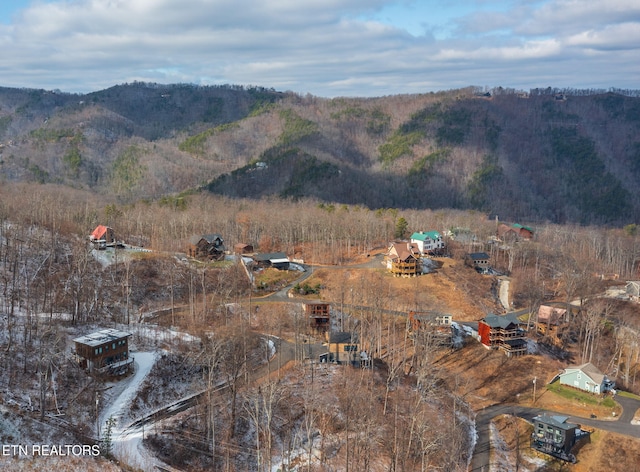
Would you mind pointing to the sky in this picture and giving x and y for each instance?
(326, 48)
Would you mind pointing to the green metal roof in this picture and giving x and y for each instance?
(422, 235)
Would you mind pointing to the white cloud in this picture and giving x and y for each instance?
(324, 47)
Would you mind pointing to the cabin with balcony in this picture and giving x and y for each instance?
(403, 259)
(554, 435)
(501, 332)
(104, 352)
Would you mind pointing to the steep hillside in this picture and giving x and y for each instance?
(541, 156)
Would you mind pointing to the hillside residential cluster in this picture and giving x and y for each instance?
(106, 352)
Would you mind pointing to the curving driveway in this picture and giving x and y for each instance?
(480, 461)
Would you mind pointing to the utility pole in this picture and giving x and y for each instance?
(534, 389)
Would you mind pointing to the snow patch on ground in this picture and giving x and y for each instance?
(127, 447)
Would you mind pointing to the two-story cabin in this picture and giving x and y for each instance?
(343, 348)
(104, 352)
(553, 435)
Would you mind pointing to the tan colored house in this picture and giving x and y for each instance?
(550, 319)
(343, 348)
(403, 259)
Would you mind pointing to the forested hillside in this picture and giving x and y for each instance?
(546, 155)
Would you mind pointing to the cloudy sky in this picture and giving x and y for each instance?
(326, 48)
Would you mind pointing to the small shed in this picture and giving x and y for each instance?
(242, 248)
(104, 352)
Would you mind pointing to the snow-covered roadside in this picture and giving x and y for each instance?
(128, 447)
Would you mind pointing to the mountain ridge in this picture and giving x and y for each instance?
(564, 156)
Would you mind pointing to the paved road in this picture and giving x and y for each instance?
(481, 453)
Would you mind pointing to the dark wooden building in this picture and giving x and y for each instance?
(104, 352)
(553, 435)
(242, 248)
(500, 332)
(208, 246)
(276, 260)
(319, 314)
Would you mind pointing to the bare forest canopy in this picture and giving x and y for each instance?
(546, 155)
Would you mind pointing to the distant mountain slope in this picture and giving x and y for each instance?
(540, 156)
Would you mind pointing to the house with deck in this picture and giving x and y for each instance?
(104, 352)
(550, 321)
(206, 247)
(501, 332)
(403, 259)
(554, 435)
(318, 313)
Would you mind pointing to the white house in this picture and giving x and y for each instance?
(427, 241)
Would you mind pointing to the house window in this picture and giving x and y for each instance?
(113, 345)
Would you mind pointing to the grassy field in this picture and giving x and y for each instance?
(583, 397)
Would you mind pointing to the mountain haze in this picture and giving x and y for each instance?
(564, 156)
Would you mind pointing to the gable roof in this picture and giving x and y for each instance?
(550, 314)
(478, 256)
(209, 238)
(519, 226)
(588, 369)
(402, 251)
(495, 321)
(100, 232)
(424, 235)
